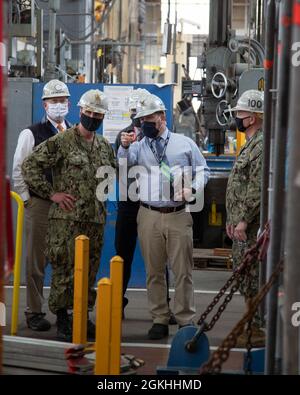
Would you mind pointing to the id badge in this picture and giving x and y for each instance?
(166, 171)
(167, 182)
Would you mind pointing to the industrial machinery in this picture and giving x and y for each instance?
(230, 64)
(25, 20)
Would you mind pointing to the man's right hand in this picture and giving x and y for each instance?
(64, 200)
(127, 139)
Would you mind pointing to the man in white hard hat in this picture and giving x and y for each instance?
(164, 224)
(74, 158)
(243, 197)
(56, 104)
(126, 225)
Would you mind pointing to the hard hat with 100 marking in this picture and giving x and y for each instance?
(250, 101)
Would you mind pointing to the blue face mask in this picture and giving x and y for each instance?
(149, 129)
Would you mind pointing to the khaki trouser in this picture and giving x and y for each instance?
(168, 238)
(36, 224)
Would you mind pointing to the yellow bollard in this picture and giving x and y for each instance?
(116, 275)
(214, 218)
(17, 263)
(81, 279)
(103, 326)
(213, 213)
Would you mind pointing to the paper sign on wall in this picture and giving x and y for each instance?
(118, 115)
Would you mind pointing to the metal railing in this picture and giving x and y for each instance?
(17, 263)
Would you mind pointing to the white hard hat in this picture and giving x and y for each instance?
(94, 100)
(150, 105)
(136, 97)
(55, 88)
(250, 101)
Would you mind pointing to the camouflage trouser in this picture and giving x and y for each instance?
(250, 284)
(60, 251)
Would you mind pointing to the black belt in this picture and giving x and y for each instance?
(164, 210)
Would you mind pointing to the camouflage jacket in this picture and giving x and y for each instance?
(74, 163)
(244, 183)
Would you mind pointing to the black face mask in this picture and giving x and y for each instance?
(149, 129)
(240, 124)
(135, 122)
(90, 124)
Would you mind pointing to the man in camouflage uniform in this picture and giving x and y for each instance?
(74, 158)
(243, 196)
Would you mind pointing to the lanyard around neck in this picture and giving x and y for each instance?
(159, 159)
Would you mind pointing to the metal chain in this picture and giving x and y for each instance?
(218, 297)
(223, 306)
(256, 252)
(214, 364)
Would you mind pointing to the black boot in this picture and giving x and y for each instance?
(64, 326)
(37, 322)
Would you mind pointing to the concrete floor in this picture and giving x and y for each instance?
(138, 321)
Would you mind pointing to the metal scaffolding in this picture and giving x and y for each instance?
(283, 352)
(291, 338)
(2, 164)
(269, 71)
(278, 196)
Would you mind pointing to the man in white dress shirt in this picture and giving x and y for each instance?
(56, 104)
(164, 223)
